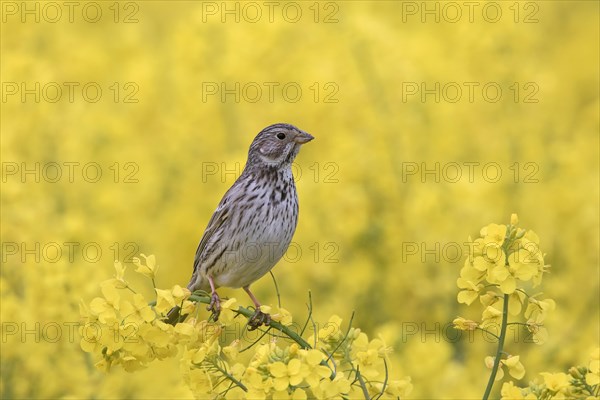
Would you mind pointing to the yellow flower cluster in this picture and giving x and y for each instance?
(581, 383)
(127, 331)
(503, 267)
(124, 328)
(504, 256)
(504, 264)
(347, 366)
(506, 261)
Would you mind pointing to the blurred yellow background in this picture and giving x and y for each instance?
(124, 123)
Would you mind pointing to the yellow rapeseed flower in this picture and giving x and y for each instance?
(511, 392)
(200, 382)
(491, 316)
(556, 383)
(316, 371)
(329, 389)
(470, 291)
(137, 312)
(283, 316)
(515, 302)
(492, 256)
(164, 301)
(186, 332)
(395, 388)
(493, 233)
(284, 375)
(538, 309)
(501, 275)
(228, 309)
(465, 324)
(148, 269)
(515, 368)
(157, 335)
(489, 298)
(105, 307)
(332, 329)
(539, 332)
(180, 293)
(119, 281)
(523, 266)
(232, 351)
(131, 364)
(489, 363)
(258, 384)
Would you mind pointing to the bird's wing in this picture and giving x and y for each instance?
(216, 221)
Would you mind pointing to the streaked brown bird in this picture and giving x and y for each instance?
(253, 224)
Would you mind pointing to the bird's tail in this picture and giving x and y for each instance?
(174, 316)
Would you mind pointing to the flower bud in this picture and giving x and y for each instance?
(574, 372)
(514, 219)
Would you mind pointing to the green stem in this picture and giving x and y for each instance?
(363, 385)
(276, 289)
(230, 377)
(309, 306)
(499, 351)
(385, 380)
(343, 339)
(130, 289)
(256, 341)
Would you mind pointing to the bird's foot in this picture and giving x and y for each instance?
(214, 306)
(259, 318)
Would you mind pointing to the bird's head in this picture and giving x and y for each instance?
(277, 145)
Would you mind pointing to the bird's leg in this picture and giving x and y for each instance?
(259, 318)
(215, 301)
(254, 300)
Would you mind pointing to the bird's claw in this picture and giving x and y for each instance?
(214, 306)
(259, 318)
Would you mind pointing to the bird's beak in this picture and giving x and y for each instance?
(303, 137)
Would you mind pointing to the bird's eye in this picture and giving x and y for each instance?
(281, 136)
